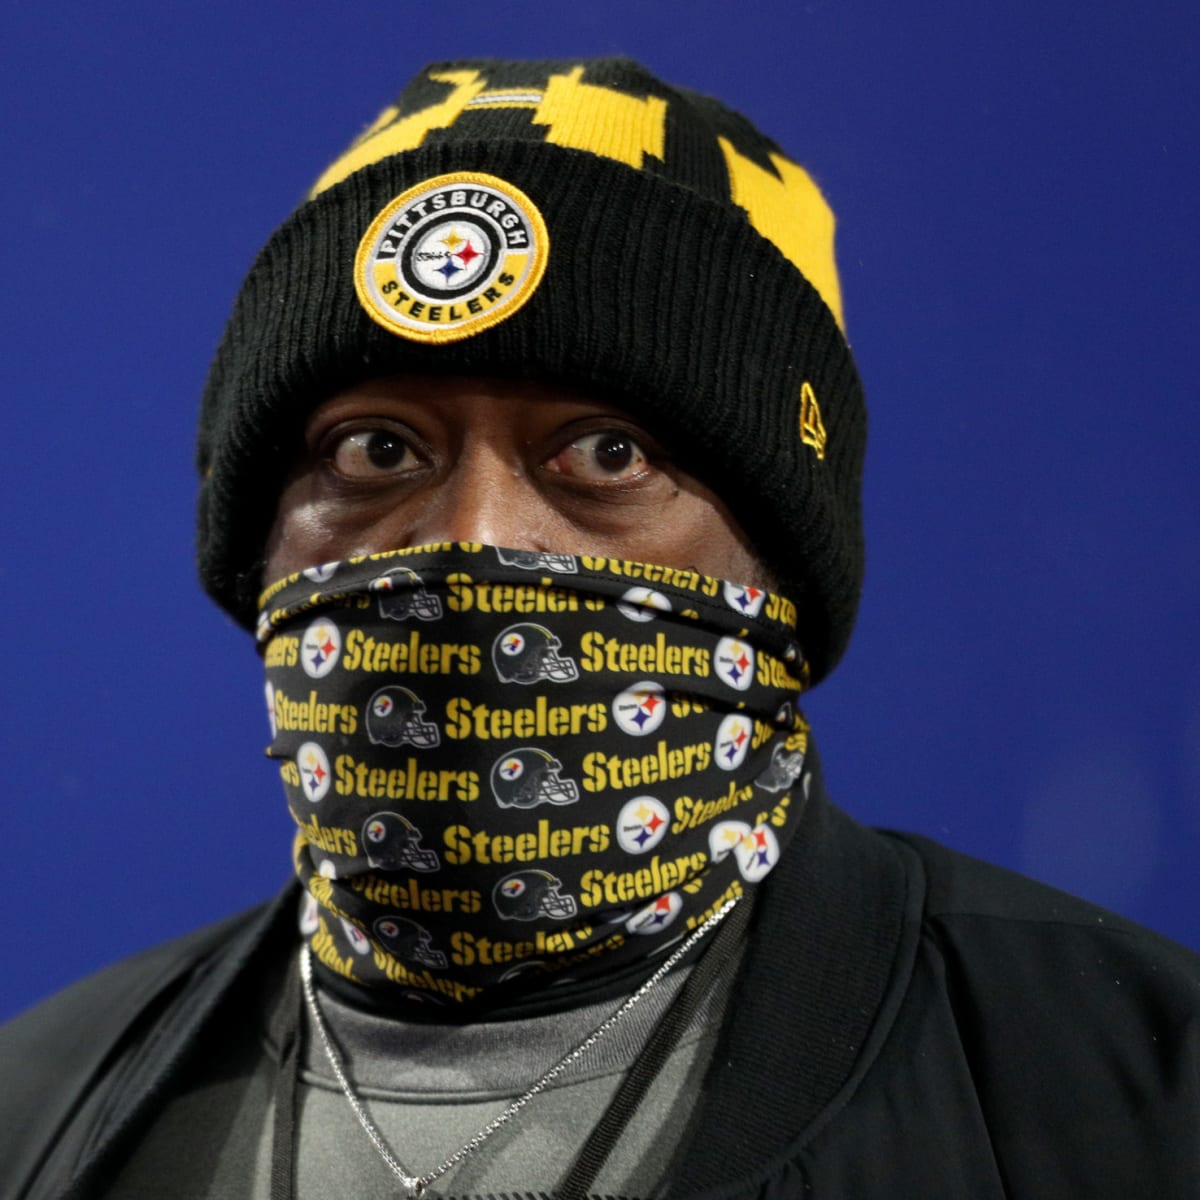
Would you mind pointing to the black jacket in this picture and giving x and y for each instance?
(909, 1023)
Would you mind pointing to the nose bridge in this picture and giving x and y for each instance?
(480, 498)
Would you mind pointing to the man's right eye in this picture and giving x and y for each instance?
(369, 453)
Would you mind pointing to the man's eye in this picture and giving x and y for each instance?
(367, 453)
(612, 454)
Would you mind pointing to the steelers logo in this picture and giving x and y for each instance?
(511, 643)
(743, 599)
(320, 648)
(735, 663)
(757, 853)
(512, 768)
(383, 705)
(376, 831)
(356, 937)
(263, 629)
(643, 823)
(640, 710)
(641, 603)
(451, 257)
(310, 921)
(314, 771)
(725, 837)
(513, 888)
(656, 916)
(732, 742)
(320, 573)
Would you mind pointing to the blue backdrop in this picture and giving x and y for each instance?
(1016, 190)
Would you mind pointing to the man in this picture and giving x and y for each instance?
(532, 454)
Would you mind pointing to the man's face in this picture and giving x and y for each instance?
(403, 462)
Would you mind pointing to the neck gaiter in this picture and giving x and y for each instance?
(512, 764)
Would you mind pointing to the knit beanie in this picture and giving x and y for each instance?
(576, 222)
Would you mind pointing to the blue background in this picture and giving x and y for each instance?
(1016, 190)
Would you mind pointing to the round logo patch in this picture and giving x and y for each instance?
(451, 257)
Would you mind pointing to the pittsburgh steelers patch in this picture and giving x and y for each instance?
(451, 257)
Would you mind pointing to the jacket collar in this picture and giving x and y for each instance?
(831, 948)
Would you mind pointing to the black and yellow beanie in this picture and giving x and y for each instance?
(579, 222)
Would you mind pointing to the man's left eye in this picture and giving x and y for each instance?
(610, 454)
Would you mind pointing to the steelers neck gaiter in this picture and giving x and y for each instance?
(511, 769)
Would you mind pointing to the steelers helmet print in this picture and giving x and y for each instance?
(537, 560)
(782, 771)
(395, 718)
(527, 777)
(402, 594)
(409, 942)
(529, 653)
(393, 843)
(527, 895)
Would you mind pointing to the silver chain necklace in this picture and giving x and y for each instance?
(415, 1185)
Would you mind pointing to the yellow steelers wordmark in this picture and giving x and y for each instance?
(397, 972)
(789, 211)
(410, 896)
(325, 949)
(451, 257)
(465, 845)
